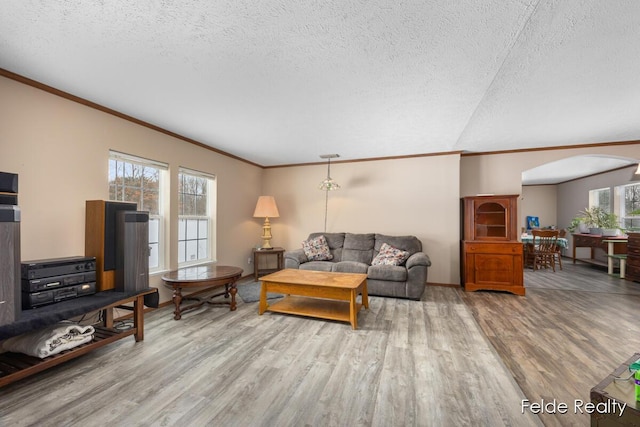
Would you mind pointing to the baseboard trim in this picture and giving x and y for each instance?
(446, 285)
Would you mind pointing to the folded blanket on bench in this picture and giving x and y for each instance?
(52, 340)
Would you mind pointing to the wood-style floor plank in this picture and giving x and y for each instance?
(408, 363)
(454, 358)
(565, 336)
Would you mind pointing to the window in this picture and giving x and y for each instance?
(133, 179)
(628, 205)
(196, 201)
(600, 198)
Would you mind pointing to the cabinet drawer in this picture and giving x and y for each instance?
(509, 248)
(632, 273)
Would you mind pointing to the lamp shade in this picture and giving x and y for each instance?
(636, 174)
(266, 208)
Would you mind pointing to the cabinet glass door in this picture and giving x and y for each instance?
(491, 220)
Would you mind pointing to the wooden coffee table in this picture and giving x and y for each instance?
(202, 276)
(319, 294)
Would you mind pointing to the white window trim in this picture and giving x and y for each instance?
(164, 168)
(211, 200)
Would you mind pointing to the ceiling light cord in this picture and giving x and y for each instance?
(326, 208)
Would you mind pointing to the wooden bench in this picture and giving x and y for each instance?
(16, 366)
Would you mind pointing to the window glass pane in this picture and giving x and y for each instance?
(131, 194)
(632, 199)
(192, 250)
(154, 255)
(193, 205)
(189, 204)
(150, 202)
(192, 229)
(203, 229)
(202, 187)
(202, 249)
(182, 229)
(139, 183)
(600, 198)
(154, 230)
(201, 205)
(181, 251)
(151, 178)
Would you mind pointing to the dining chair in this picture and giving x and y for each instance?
(545, 248)
(561, 234)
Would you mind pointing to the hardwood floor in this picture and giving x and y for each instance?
(573, 328)
(452, 359)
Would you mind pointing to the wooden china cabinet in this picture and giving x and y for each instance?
(491, 256)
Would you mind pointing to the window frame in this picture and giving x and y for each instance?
(209, 217)
(160, 217)
(594, 198)
(626, 220)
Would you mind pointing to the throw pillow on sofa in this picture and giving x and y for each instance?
(389, 255)
(317, 249)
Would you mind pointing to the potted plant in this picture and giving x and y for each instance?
(577, 225)
(600, 221)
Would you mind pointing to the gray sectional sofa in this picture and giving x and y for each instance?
(354, 253)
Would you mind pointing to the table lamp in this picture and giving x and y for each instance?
(266, 207)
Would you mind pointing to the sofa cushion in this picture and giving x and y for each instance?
(335, 242)
(318, 265)
(410, 244)
(389, 255)
(317, 249)
(390, 273)
(351, 267)
(358, 247)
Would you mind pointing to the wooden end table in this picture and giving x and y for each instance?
(257, 253)
(202, 276)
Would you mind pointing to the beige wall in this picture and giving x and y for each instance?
(540, 201)
(416, 196)
(60, 151)
(502, 173)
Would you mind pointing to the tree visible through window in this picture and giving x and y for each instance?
(600, 198)
(133, 179)
(629, 205)
(194, 216)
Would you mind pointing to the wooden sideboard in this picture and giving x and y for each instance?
(494, 266)
(594, 242)
(633, 257)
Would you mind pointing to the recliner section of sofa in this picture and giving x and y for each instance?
(353, 253)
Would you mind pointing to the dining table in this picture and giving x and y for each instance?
(561, 241)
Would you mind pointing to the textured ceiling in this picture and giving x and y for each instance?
(284, 81)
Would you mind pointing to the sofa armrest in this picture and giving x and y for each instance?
(419, 258)
(417, 269)
(293, 259)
